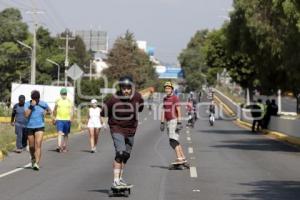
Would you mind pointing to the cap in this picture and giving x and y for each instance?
(63, 91)
(93, 101)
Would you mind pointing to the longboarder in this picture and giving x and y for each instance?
(122, 111)
(170, 117)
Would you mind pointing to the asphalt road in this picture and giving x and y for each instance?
(228, 162)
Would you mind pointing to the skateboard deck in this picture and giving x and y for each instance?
(120, 191)
(179, 166)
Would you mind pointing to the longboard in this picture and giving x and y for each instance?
(179, 166)
(120, 191)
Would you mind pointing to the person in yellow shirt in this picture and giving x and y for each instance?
(63, 115)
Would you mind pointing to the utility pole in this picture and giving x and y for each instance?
(34, 14)
(67, 48)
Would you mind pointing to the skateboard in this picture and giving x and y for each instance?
(179, 166)
(120, 191)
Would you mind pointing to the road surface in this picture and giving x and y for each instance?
(228, 162)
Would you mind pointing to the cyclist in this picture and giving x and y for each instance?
(212, 111)
(170, 117)
(190, 111)
(122, 111)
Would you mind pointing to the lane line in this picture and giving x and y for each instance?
(193, 172)
(188, 138)
(15, 170)
(191, 150)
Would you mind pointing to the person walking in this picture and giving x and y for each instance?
(94, 125)
(18, 120)
(35, 111)
(62, 118)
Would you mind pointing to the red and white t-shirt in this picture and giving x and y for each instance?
(170, 107)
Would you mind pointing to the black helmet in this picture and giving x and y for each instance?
(126, 81)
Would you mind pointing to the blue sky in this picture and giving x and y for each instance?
(166, 25)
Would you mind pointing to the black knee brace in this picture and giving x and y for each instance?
(126, 156)
(174, 143)
(119, 156)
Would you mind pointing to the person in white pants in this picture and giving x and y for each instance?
(94, 124)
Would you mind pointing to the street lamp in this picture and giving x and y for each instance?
(58, 69)
(33, 68)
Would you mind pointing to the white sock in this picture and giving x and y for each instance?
(117, 175)
(121, 174)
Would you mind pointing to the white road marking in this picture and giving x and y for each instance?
(192, 158)
(187, 131)
(15, 170)
(188, 138)
(191, 150)
(193, 172)
(145, 118)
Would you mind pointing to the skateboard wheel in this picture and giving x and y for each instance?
(126, 193)
(110, 193)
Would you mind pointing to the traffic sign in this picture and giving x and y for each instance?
(74, 72)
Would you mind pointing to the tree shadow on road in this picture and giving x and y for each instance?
(270, 190)
(257, 145)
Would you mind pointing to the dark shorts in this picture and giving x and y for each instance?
(32, 131)
(63, 126)
(122, 143)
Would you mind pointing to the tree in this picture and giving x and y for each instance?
(125, 58)
(14, 59)
(193, 62)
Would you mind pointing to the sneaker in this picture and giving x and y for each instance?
(93, 150)
(32, 162)
(18, 151)
(36, 167)
(58, 150)
(116, 184)
(123, 183)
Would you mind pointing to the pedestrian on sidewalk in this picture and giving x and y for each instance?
(274, 108)
(171, 118)
(122, 111)
(62, 117)
(94, 124)
(18, 120)
(267, 114)
(256, 112)
(35, 111)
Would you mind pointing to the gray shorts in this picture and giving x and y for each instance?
(171, 129)
(122, 143)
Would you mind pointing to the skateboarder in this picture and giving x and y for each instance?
(122, 111)
(170, 117)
